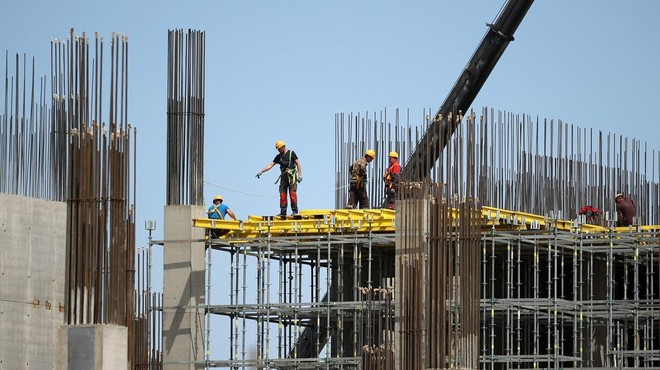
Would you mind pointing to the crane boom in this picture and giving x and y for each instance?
(466, 88)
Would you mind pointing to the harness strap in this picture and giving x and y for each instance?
(290, 171)
(217, 210)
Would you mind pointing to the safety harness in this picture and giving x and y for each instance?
(217, 210)
(290, 172)
(356, 176)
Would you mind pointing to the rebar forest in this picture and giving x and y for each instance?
(486, 262)
(485, 265)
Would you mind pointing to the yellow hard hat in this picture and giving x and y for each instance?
(279, 144)
(217, 197)
(394, 154)
(370, 153)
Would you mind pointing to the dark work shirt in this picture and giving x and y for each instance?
(286, 160)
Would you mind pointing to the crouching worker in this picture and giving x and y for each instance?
(625, 210)
(218, 211)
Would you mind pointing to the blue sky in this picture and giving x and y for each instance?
(282, 69)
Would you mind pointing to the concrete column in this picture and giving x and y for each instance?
(32, 260)
(184, 268)
(93, 347)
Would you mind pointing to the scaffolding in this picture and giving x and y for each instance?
(558, 295)
(323, 298)
(553, 298)
(499, 216)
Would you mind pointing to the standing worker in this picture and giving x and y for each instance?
(219, 211)
(391, 178)
(625, 210)
(289, 178)
(357, 191)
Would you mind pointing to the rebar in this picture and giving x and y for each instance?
(185, 117)
(521, 163)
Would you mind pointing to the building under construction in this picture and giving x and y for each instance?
(453, 280)
(485, 263)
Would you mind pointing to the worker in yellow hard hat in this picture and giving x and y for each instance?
(391, 178)
(219, 211)
(357, 189)
(290, 176)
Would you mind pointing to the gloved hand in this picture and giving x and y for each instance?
(299, 178)
(259, 174)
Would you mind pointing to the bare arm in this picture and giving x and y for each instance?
(231, 214)
(268, 167)
(299, 167)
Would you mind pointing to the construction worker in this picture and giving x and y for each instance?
(290, 176)
(219, 211)
(625, 210)
(391, 178)
(357, 190)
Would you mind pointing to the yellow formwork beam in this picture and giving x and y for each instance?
(308, 222)
(323, 221)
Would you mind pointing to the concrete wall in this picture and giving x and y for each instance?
(32, 264)
(184, 269)
(93, 347)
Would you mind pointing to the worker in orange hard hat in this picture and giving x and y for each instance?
(219, 211)
(391, 178)
(625, 210)
(357, 190)
(290, 176)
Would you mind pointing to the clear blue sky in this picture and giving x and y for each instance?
(282, 69)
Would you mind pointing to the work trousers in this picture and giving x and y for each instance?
(357, 196)
(291, 188)
(390, 192)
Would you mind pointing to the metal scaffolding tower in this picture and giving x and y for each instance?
(486, 265)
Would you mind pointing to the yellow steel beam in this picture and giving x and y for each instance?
(308, 222)
(323, 221)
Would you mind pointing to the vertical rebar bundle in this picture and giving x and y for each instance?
(97, 162)
(27, 143)
(355, 133)
(185, 117)
(64, 153)
(438, 284)
(147, 324)
(542, 166)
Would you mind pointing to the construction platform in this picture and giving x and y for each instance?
(323, 221)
